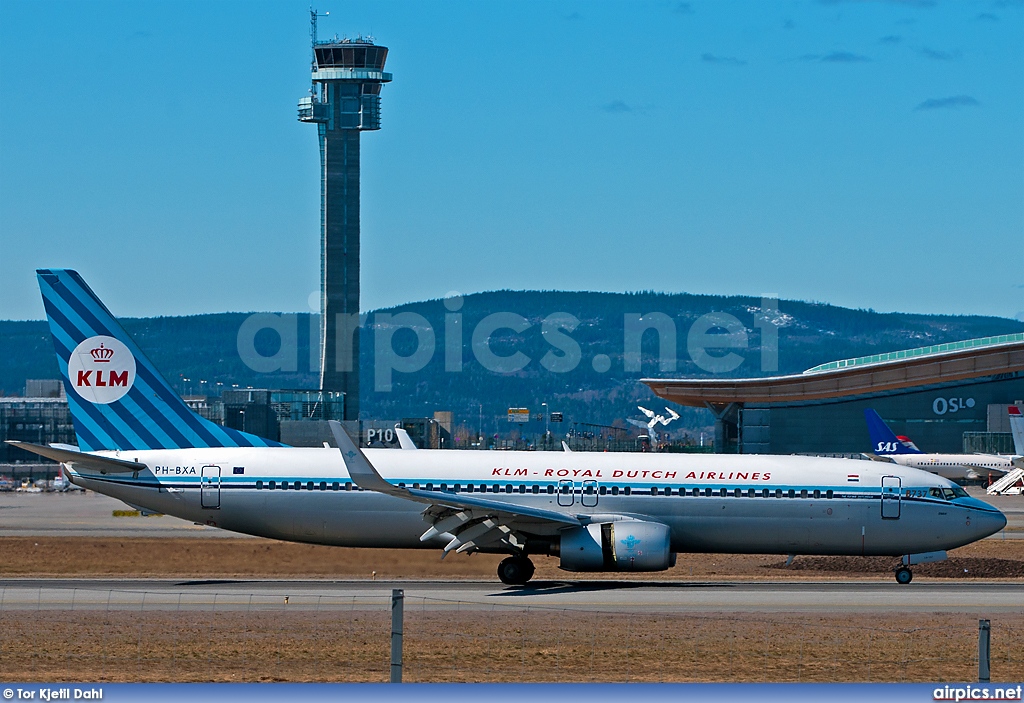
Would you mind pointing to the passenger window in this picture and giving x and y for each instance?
(778, 492)
(738, 493)
(764, 492)
(707, 492)
(522, 488)
(430, 486)
(444, 486)
(508, 489)
(602, 490)
(536, 488)
(803, 493)
(654, 491)
(458, 487)
(309, 486)
(615, 490)
(284, 485)
(551, 489)
(348, 486)
(272, 485)
(259, 485)
(829, 494)
(497, 488)
(817, 494)
(792, 493)
(334, 486)
(483, 488)
(627, 490)
(323, 485)
(298, 485)
(723, 492)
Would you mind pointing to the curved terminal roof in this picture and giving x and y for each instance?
(924, 366)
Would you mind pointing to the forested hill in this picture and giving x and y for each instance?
(563, 368)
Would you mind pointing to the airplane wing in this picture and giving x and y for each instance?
(984, 469)
(876, 457)
(103, 464)
(404, 440)
(473, 522)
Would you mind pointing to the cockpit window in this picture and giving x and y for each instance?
(957, 492)
(937, 493)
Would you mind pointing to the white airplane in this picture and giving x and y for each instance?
(140, 443)
(888, 447)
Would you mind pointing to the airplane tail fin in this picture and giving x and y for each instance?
(883, 440)
(1017, 428)
(117, 398)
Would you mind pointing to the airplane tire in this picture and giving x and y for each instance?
(904, 576)
(515, 571)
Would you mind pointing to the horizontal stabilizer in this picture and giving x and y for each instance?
(103, 464)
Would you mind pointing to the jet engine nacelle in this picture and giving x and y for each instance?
(624, 545)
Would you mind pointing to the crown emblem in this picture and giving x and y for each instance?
(101, 354)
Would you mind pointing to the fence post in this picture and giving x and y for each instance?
(984, 649)
(397, 629)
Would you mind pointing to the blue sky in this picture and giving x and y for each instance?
(868, 154)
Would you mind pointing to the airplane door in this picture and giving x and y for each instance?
(891, 497)
(566, 494)
(209, 487)
(588, 496)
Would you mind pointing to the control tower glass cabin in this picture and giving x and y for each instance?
(345, 100)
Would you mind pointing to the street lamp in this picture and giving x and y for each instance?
(547, 424)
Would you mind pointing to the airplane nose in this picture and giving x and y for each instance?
(988, 522)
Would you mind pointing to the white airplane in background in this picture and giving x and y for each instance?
(886, 446)
(140, 443)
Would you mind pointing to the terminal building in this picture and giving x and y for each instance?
(946, 398)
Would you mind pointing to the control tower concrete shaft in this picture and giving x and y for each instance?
(344, 100)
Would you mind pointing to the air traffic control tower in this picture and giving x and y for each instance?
(344, 100)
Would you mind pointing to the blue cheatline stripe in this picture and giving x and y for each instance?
(143, 369)
(103, 425)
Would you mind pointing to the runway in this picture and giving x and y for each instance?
(605, 596)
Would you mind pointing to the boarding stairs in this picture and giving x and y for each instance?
(1010, 484)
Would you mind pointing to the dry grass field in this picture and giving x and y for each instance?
(505, 643)
(502, 645)
(224, 558)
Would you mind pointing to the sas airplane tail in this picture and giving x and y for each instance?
(117, 398)
(883, 440)
(1017, 428)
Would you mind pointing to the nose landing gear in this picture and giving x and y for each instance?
(904, 575)
(515, 570)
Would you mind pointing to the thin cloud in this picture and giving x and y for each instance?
(722, 60)
(890, 39)
(986, 17)
(936, 55)
(955, 101)
(835, 57)
(617, 106)
(788, 24)
(683, 8)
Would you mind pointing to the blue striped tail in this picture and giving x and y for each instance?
(118, 399)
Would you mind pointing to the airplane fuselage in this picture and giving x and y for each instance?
(956, 466)
(711, 503)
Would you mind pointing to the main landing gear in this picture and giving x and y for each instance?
(515, 571)
(903, 575)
